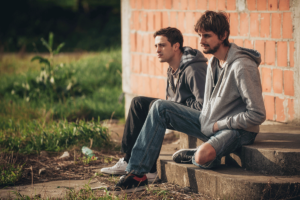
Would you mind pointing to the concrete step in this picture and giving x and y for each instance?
(276, 151)
(228, 182)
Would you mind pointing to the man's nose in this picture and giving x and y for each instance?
(157, 49)
(201, 40)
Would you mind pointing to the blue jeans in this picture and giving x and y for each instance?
(183, 119)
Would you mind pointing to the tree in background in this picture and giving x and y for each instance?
(85, 25)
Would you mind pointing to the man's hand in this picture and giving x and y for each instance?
(215, 128)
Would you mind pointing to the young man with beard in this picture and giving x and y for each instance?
(232, 111)
(185, 86)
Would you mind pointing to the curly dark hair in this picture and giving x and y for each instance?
(172, 34)
(217, 22)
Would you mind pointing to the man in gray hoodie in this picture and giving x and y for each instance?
(185, 86)
(232, 111)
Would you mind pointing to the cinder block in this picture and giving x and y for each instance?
(287, 26)
(276, 25)
(289, 83)
(251, 5)
(282, 54)
(234, 24)
(244, 24)
(277, 81)
(264, 25)
(254, 25)
(270, 52)
(272, 5)
(270, 107)
(280, 116)
(266, 79)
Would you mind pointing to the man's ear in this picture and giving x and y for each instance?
(224, 36)
(176, 46)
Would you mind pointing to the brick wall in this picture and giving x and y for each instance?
(264, 25)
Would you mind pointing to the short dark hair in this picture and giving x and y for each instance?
(173, 34)
(217, 22)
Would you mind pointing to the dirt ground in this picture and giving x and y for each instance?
(49, 170)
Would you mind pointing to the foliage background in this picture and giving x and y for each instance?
(84, 25)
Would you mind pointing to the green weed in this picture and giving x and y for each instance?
(10, 173)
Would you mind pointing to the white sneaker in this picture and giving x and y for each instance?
(118, 168)
(150, 176)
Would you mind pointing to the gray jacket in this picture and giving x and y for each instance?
(236, 102)
(189, 90)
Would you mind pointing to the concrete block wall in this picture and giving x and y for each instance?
(265, 25)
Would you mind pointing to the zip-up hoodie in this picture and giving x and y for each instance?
(189, 89)
(236, 102)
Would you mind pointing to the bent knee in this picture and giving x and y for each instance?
(205, 154)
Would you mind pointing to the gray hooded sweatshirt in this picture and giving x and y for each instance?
(236, 102)
(189, 89)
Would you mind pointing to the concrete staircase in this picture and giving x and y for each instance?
(268, 169)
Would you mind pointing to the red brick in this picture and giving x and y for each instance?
(150, 19)
(212, 4)
(168, 4)
(248, 44)
(134, 83)
(262, 5)
(153, 87)
(222, 5)
(234, 24)
(145, 63)
(146, 86)
(239, 42)
(138, 4)
(272, 5)
(173, 19)
(264, 25)
(276, 25)
(162, 89)
(202, 5)
(165, 19)
(251, 4)
(141, 86)
(158, 20)
(277, 81)
(146, 4)
(153, 4)
(184, 4)
(132, 62)
(287, 26)
(135, 23)
(193, 42)
(160, 4)
(231, 4)
(136, 63)
(254, 24)
(292, 50)
(270, 52)
(244, 24)
(289, 83)
(282, 52)
(192, 5)
(152, 44)
(260, 47)
(176, 4)
(132, 4)
(270, 107)
(181, 20)
(143, 21)
(146, 42)
(139, 43)
(197, 16)
(291, 109)
(284, 4)
(185, 40)
(132, 41)
(280, 116)
(266, 79)
(151, 65)
(190, 22)
(230, 40)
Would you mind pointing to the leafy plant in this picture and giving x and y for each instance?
(10, 173)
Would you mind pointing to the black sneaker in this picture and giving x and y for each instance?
(129, 183)
(184, 155)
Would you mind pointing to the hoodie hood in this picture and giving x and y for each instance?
(189, 56)
(236, 52)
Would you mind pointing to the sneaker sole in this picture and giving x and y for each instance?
(181, 150)
(131, 190)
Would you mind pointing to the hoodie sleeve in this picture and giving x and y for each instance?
(249, 86)
(196, 83)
